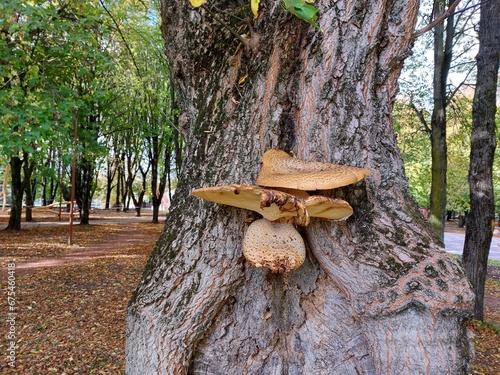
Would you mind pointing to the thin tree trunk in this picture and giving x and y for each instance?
(85, 197)
(377, 294)
(119, 177)
(28, 168)
(138, 201)
(443, 46)
(17, 191)
(481, 219)
(154, 157)
(4, 186)
(110, 176)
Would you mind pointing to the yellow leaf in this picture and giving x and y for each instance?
(197, 3)
(242, 79)
(255, 7)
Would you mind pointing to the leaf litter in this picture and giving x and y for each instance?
(71, 319)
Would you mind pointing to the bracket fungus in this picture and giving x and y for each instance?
(274, 242)
(271, 204)
(282, 170)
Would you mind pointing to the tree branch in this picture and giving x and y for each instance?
(453, 93)
(437, 20)
(123, 38)
(420, 116)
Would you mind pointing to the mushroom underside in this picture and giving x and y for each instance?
(273, 245)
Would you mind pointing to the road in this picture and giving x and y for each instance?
(454, 243)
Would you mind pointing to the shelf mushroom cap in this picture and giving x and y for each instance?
(281, 170)
(328, 208)
(271, 204)
(273, 245)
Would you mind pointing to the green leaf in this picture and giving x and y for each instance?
(302, 10)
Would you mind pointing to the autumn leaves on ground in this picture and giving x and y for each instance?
(70, 318)
(70, 312)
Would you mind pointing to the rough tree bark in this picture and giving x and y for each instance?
(481, 218)
(377, 294)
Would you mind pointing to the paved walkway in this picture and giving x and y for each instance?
(454, 243)
(34, 224)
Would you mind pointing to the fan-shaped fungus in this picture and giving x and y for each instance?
(273, 242)
(281, 170)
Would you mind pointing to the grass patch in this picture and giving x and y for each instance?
(493, 263)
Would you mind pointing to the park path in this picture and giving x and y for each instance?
(110, 248)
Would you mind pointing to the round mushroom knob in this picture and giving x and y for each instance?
(274, 245)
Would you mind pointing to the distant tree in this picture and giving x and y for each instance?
(481, 220)
(42, 52)
(143, 108)
(5, 182)
(451, 43)
(413, 141)
(443, 49)
(50, 176)
(459, 122)
(112, 162)
(28, 168)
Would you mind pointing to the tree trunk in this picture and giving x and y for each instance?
(29, 204)
(4, 186)
(377, 293)
(84, 189)
(119, 178)
(443, 46)
(17, 191)
(110, 176)
(28, 167)
(481, 220)
(158, 179)
(139, 200)
(49, 183)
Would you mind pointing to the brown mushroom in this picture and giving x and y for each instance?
(281, 170)
(328, 208)
(271, 204)
(273, 242)
(273, 245)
